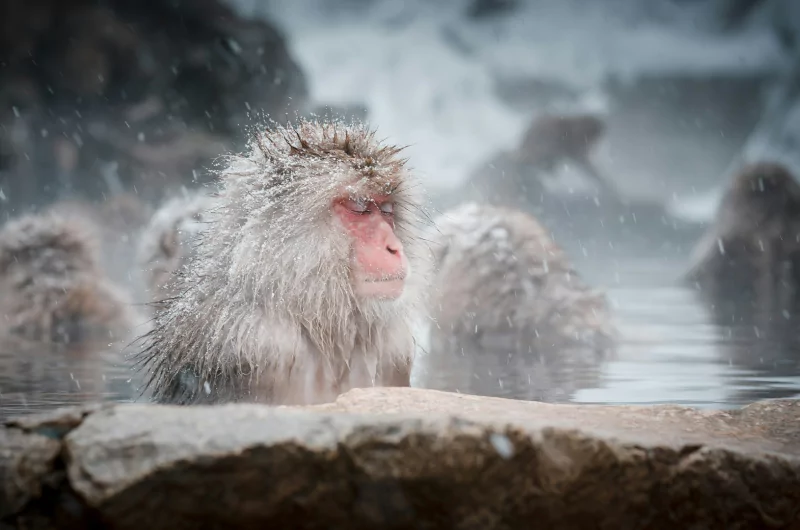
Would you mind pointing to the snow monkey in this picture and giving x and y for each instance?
(514, 178)
(747, 265)
(52, 286)
(306, 280)
(502, 283)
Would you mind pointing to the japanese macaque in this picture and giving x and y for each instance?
(502, 286)
(551, 140)
(306, 280)
(52, 287)
(748, 263)
(514, 178)
(169, 240)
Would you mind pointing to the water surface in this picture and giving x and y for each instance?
(671, 351)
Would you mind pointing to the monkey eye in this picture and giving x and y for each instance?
(387, 207)
(357, 205)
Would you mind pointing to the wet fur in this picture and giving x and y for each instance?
(264, 309)
(502, 283)
(52, 287)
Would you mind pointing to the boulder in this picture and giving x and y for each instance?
(26, 462)
(33, 493)
(412, 458)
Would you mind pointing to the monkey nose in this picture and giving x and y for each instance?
(393, 245)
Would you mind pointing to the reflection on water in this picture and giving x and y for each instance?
(36, 377)
(671, 352)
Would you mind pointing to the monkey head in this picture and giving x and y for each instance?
(763, 182)
(48, 244)
(759, 193)
(326, 212)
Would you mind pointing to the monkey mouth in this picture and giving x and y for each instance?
(398, 277)
(386, 287)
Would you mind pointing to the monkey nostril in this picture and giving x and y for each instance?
(391, 250)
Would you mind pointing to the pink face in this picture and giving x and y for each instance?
(379, 263)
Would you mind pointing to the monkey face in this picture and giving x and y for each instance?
(378, 263)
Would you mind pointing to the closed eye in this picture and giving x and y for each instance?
(357, 206)
(387, 208)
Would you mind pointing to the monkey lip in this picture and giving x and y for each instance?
(385, 287)
(400, 276)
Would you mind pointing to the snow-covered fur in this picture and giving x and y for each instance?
(502, 283)
(52, 286)
(169, 239)
(265, 310)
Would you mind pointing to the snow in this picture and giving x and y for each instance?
(427, 73)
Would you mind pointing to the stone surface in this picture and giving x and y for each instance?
(26, 463)
(410, 458)
(55, 423)
(763, 426)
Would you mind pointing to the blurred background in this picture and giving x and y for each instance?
(138, 98)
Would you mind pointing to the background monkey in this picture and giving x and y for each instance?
(52, 286)
(170, 238)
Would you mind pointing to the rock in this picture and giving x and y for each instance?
(99, 99)
(762, 426)
(29, 449)
(412, 458)
(55, 423)
(35, 493)
(26, 463)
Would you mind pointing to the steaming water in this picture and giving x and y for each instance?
(670, 352)
(42, 377)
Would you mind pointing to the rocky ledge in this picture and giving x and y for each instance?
(403, 458)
